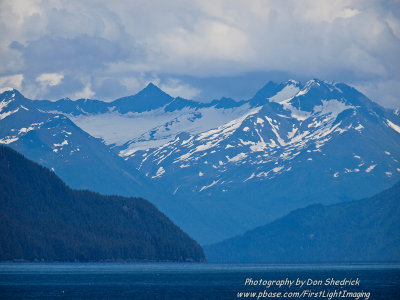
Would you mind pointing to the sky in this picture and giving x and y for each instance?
(197, 49)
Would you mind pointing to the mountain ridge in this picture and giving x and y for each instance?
(55, 141)
(342, 142)
(43, 219)
(238, 158)
(356, 231)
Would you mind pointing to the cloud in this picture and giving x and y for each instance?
(176, 88)
(111, 87)
(85, 93)
(207, 40)
(80, 54)
(374, 91)
(49, 79)
(118, 46)
(12, 81)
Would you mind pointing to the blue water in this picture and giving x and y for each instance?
(190, 281)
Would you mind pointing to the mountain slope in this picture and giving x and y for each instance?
(57, 143)
(41, 218)
(233, 166)
(82, 161)
(364, 230)
(148, 99)
(318, 142)
(148, 119)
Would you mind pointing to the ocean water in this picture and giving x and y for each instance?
(198, 281)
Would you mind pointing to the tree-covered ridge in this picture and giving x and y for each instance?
(363, 230)
(41, 218)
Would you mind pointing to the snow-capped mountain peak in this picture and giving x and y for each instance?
(320, 127)
(11, 101)
(238, 163)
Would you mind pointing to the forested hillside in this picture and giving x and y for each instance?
(41, 218)
(364, 230)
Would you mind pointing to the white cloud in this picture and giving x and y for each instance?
(342, 40)
(326, 11)
(209, 39)
(135, 84)
(131, 83)
(12, 81)
(49, 79)
(175, 88)
(85, 93)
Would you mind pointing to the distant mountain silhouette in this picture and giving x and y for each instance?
(364, 230)
(151, 97)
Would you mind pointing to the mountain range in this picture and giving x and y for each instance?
(81, 160)
(220, 168)
(54, 141)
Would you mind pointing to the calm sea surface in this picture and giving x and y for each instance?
(197, 281)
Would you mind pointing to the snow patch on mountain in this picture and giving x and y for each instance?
(8, 113)
(25, 130)
(65, 142)
(149, 129)
(4, 104)
(21, 132)
(288, 92)
(159, 173)
(8, 140)
(359, 127)
(332, 107)
(237, 157)
(208, 186)
(393, 126)
(277, 169)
